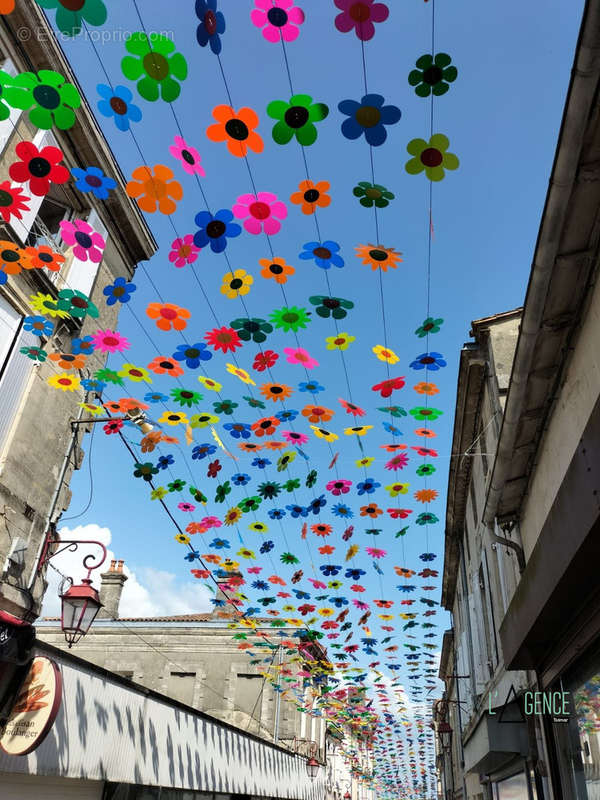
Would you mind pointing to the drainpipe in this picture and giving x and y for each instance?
(584, 80)
(278, 699)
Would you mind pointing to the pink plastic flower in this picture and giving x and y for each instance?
(294, 438)
(317, 584)
(260, 210)
(338, 487)
(211, 522)
(399, 461)
(188, 507)
(278, 19)
(109, 341)
(298, 355)
(374, 552)
(360, 604)
(86, 242)
(254, 570)
(188, 155)
(184, 251)
(360, 15)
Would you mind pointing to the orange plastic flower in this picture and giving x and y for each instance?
(249, 447)
(425, 495)
(276, 391)
(237, 129)
(429, 434)
(378, 257)
(150, 441)
(6, 6)
(129, 403)
(275, 268)
(317, 413)
(426, 388)
(275, 445)
(265, 426)
(372, 510)
(12, 258)
(321, 529)
(44, 256)
(68, 360)
(168, 315)
(211, 558)
(404, 572)
(155, 189)
(326, 550)
(169, 439)
(162, 365)
(311, 196)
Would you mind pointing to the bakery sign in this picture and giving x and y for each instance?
(35, 708)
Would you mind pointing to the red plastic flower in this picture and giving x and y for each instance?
(399, 513)
(321, 529)
(351, 408)
(385, 388)
(38, 167)
(214, 468)
(265, 426)
(225, 339)
(113, 427)
(11, 201)
(265, 360)
(425, 451)
(360, 15)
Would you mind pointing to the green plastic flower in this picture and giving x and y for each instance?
(70, 13)
(285, 460)
(253, 402)
(145, 471)
(290, 319)
(222, 490)
(269, 490)
(254, 329)
(430, 325)
(292, 484)
(433, 74)
(296, 118)
(395, 411)
(372, 194)
(424, 413)
(10, 97)
(198, 495)
(426, 518)
(425, 469)
(34, 353)
(250, 504)
(290, 558)
(156, 61)
(176, 486)
(76, 303)
(225, 407)
(311, 478)
(335, 307)
(185, 397)
(53, 99)
(431, 156)
(109, 376)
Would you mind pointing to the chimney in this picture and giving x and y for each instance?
(227, 586)
(111, 586)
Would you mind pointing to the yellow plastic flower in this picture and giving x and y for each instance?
(236, 283)
(232, 516)
(45, 304)
(92, 409)
(203, 420)
(385, 354)
(134, 373)
(397, 488)
(67, 383)
(325, 612)
(158, 493)
(364, 462)
(230, 565)
(245, 553)
(240, 373)
(359, 430)
(288, 609)
(258, 527)
(339, 342)
(182, 538)
(208, 383)
(386, 617)
(321, 433)
(174, 418)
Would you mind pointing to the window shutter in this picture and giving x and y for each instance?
(13, 383)
(82, 274)
(10, 320)
(22, 227)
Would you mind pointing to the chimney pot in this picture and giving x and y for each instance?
(113, 564)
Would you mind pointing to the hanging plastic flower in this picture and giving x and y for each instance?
(317, 413)
(385, 388)
(378, 257)
(240, 373)
(39, 168)
(168, 316)
(358, 430)
(119, 292)
(188, 156)
(285, 460)
(279, 19)
(277, 392)
(430, 361)
(397, 488)
(146, 471)
(177, 485)
(265, 426)
(385, 354)
(87, 243)
(425, 495)
(426, 518)
(93, 180)
(351, 408)
(425, 470)
(70, 16)
(425, 413)
(134, 373)
(430, 325)
(360, 15)
(155, 189)
(324, 254)
(427, 452)
(372, 194)
(192, 354)
(68, 360)
(276, 268)
(260, 212)
(50, 99)
(186, 397)
(7, 7)
(226, 407)
(339, 342)
(335, 307)
(76, 304)
(370, 117)
(12, 201)
(215, 230)
(116, 103)
(212, 24)
(290, 319)
(173, 418)
(265, 360)
(296, 118)
(44, 303)
(66, 383)
(431, 156)
(298, 355)
(372, 510)
(399, 461)
(387, 426)
(13, 258)
(236, 283)
(154, 64)
(183, 251)
(114, 427)
(203, 450)
(224, 339)
(237, 129)
(208, 383)
(363, 463)
(34, 353)
(311, 196)
(321, 433)
(433, 75)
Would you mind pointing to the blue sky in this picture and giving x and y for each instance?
(502, 117)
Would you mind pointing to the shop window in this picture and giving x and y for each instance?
(513, 788)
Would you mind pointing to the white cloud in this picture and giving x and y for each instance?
(148, 592)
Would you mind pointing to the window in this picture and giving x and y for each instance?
(7, 126)
(15, 368)
(82, 274)
(180, 686)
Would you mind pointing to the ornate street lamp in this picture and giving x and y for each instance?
(312, 767)
(445, 733)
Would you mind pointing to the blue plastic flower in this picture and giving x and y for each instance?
(3, 277)
(432, 361)
(40, 326)
(297, 511)
(338, 602)
(317, 504)
(277, 513)
(192, 555)
(220, 544)
(266, 547)
(342, 510)
(84, 345)
(286, 416)
(301, 595)
(192, 354)
(262, 586)
(164, 462)
(391, 429)
(203, 450)
(324, 254)
(93, 385)
(240, 478)
(93, 180)
(117, 104)
(330, 569)
(239, 430)
(212, 24)
(311, 386)
(215, 230)
(119, 292)
(354, 574)
(406, 587)
(367, 486)
(427, 556)
(155, 397)
(261, 463)
(370, 117)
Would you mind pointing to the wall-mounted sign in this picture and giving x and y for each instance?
(35, 708)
